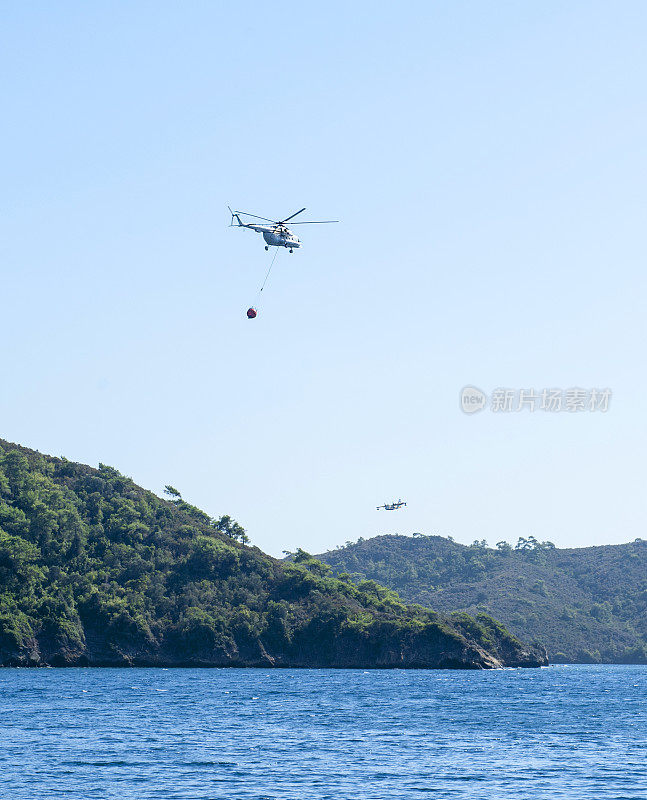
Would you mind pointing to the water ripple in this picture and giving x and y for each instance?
(564, 733)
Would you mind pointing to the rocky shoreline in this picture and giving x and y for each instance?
(431, 649)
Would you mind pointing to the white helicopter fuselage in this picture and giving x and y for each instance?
(275, 236)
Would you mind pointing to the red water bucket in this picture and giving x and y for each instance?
(251, 313)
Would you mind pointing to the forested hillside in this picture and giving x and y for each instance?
(95, 570)
(585, 605)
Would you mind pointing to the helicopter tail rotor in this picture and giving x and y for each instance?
(234, 216)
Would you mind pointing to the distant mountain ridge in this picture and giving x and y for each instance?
(96, 571)
(585, 605)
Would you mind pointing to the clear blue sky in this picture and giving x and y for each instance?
(488, 163)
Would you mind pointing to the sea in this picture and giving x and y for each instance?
(190, 734)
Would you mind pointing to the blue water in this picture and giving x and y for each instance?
(563, 732)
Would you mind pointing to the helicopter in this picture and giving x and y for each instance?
(277, 234)
(392, 506)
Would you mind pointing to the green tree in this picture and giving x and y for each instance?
(231, 528)
(172, 492)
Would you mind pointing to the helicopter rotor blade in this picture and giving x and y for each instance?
(315, 222)
(247, 214)
(296, 213)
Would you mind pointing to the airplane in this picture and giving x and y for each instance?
(277, 234)
(392, 506)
